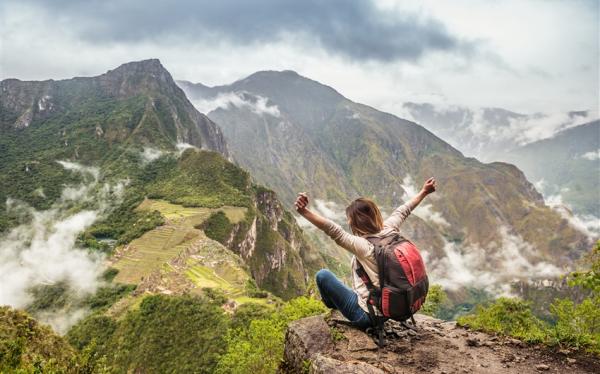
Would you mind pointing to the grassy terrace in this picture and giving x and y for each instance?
(179, 249)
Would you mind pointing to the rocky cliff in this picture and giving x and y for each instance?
(271, 243)
(328, 345)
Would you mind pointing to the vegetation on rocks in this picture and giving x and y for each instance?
(257, 347)
(29, 347)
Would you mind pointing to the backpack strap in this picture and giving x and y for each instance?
(374, 293)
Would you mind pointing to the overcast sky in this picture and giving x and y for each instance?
(526, 56)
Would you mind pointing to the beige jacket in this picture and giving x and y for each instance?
(363, 249)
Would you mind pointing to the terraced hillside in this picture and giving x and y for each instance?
(178, 258)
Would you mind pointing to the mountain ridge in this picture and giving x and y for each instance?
(349, 149)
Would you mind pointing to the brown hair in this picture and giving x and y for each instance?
(365, 217)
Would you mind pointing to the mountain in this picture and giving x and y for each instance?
(496, 134)
(567, 164)
(132, 124)
(477, 133)
(295, 134)
(488, 132)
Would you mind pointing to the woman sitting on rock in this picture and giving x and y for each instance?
(365, 220)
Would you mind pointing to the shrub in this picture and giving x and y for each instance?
(577, 325)
(217, 227)
(436, 297)
(507, 316)
(259, 348)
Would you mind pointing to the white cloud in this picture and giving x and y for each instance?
(84, 170)
(182, 147)
(256, 104)
(592, 156)
(330, 210)
(151, 154)
(43, 251)
(424, 210)
(587, 224)
(536, 127)
(493, 268)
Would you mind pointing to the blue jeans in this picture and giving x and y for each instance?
(336, 295)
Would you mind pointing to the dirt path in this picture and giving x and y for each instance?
(319, 346)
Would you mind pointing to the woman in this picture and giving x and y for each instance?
(364, 218)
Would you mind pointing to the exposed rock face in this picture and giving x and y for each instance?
(271, 243)
(320, 345)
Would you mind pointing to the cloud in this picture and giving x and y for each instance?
(592, 156)
(328, 209)
(424, 210)
(331, 210)
(255, 103)
(535, 127)
(358, 29)
(587, 224)
(493, 268)
(182, 147)
(487, 133)
(151, 154)
(84, 170)
(44, 40)
(44, 251)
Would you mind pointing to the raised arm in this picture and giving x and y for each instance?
(354, 244)
(316, 219)
(399, 215)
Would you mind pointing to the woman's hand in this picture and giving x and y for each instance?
(301, 202)
(429, 186)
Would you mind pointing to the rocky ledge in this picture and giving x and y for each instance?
(327, 344)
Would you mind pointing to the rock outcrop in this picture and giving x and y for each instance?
(329, 345)
(272, 244)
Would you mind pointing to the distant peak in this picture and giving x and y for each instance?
(144, 66)
(274, 74)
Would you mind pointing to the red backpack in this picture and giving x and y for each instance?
(402, 278)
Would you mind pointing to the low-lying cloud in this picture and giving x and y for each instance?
(493, 268)
(256, 104)
(592, 156)
(487, 133)
(150, 154)
(587, 224)
(328, 209)
(424, 210)
(44, 250)
(528, 129)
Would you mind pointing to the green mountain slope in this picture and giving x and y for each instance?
(349, 149)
